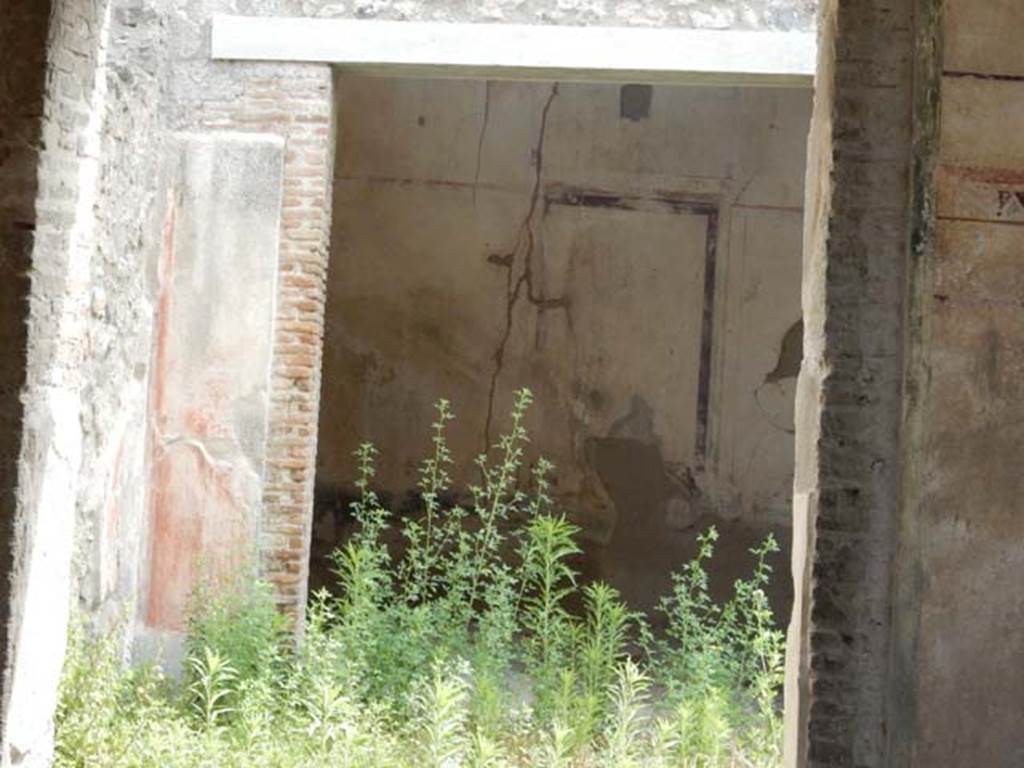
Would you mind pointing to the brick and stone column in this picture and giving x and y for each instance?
(292, 105)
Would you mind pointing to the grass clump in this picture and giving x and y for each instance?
(459, 651)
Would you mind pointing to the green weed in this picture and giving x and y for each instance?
(461, 651)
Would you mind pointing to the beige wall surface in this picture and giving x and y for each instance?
(636, 264)
(969, 675)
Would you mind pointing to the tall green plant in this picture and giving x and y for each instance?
(449, 643)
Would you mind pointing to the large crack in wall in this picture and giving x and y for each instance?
(526, 242)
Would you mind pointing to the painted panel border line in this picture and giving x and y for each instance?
(672, 203)
(525, 52)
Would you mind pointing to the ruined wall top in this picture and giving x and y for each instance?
(797, 15)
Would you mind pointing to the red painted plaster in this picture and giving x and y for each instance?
(199, 529)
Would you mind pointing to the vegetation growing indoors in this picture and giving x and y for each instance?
(454, 648)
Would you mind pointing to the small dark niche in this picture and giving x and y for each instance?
(635, 101)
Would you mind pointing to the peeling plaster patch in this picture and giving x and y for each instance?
(635, 475)
(787, 368)
(632, 472)
(791, 353)
(659, 508)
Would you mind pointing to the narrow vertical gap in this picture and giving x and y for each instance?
(706, 341)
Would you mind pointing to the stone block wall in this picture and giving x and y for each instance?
(110, 519)
(79, 505)
(52, 441)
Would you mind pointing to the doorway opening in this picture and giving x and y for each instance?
(597, 229)
(629, 252)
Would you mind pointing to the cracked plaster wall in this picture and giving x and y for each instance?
(493, 236)
(122, 74)
(955, 608)
(118, 81)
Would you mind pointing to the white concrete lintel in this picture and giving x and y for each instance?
(524, 52)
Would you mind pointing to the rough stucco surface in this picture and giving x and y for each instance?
(80, 498)
(967, 674)
(51, 445)
(502, 235)
(709, 14)
(117, 349)
(796, 15)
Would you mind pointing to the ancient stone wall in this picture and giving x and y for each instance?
(111, 520)
(907, 493)
(52, 440)
(295, 102)
(80, 511)
(707, 14)
(850, 390)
